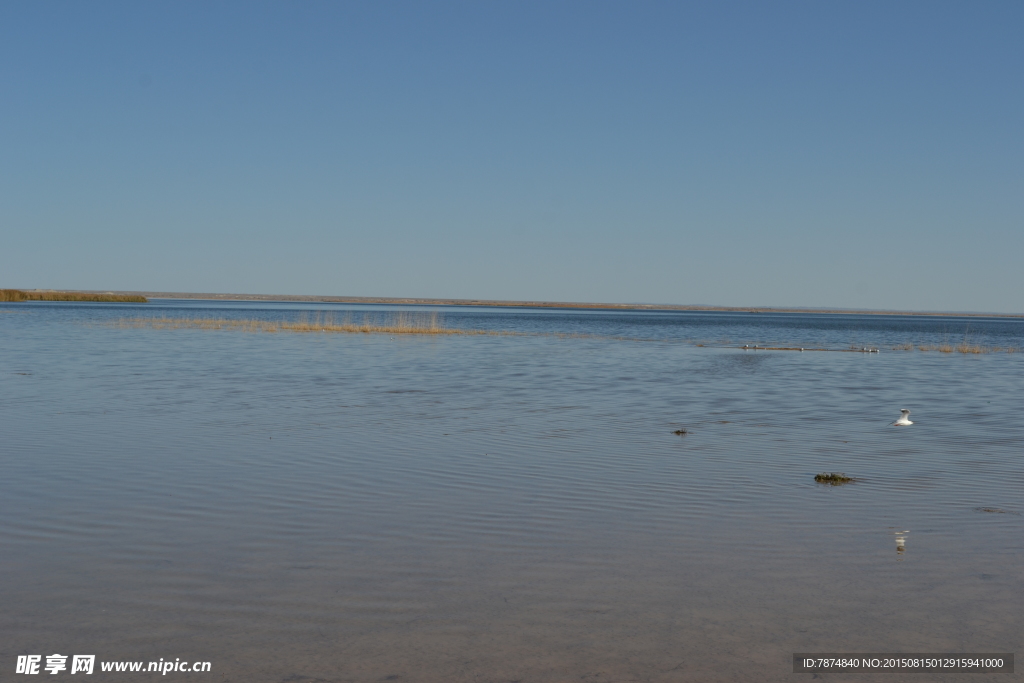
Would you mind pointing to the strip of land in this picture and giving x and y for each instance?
(412, 301)
(52, 295)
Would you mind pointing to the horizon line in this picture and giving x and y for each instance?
(509, 303)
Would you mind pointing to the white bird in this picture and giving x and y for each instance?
(904, 420)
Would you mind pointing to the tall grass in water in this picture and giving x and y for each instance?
(965, 346)
(962, 347)
(19, 295)
(393, 323)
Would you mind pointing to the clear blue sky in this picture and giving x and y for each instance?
(858, 154)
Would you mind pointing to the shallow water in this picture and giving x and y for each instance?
(344, 507)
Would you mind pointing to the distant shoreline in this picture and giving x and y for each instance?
(16, 295)
(411, 301)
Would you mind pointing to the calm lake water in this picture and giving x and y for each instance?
(345, 507)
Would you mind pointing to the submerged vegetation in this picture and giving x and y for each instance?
(397, 323)
(833, 478)
(996, 511)
(20, 295)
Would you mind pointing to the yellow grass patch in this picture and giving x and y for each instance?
(395, 323)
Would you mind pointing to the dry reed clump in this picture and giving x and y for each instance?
(942, 348)
(903, 347)
(963, 347)
(397, 323)
(19, 295)
(970, 348)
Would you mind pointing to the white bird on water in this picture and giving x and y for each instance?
(904, 420)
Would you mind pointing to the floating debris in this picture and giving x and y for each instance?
(833, 478)
(680, 432)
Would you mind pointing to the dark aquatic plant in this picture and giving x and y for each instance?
(833, 478)
(997, 511)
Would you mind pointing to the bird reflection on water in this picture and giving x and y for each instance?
(901, 543)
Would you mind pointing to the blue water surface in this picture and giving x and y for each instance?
(349, 507)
